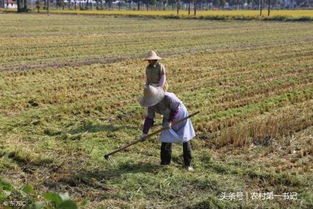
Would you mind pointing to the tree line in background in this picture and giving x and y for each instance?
(173, 4)
(191, 5)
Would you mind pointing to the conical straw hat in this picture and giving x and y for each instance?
(152, 55)
(151, 96)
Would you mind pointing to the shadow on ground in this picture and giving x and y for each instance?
(97, 179)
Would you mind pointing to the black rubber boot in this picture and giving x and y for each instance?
(187, 153)
(166, 153)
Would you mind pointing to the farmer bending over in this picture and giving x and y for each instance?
(172, 109)
(155, 71)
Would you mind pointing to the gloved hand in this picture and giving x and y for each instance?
(143, 137)
(167, 125)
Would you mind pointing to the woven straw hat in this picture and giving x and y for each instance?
(151, 96)
(152, 55)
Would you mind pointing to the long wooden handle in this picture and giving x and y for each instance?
(106, 156)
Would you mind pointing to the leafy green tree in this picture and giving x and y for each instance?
(109, 4)
(22, 6)
(164, 4)
(172, 3)
(219, 3)
(138, 2)
(178, 4)
(149, 3)
(69, 4)
(38, 6)
(59, 3)
(261, 5)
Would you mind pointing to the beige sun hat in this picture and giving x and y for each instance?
(152, 55)
(151, 96)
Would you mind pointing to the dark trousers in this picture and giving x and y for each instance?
(166, 153)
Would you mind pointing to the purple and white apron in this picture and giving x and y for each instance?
(182, 132)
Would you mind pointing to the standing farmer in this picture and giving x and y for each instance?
(155, 71)
(172, 109)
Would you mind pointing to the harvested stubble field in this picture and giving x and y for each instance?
(69, 86)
